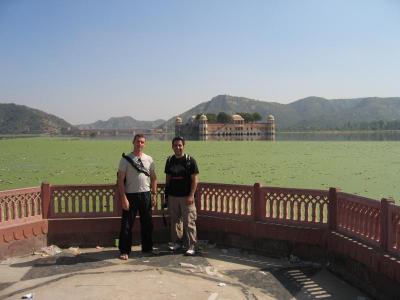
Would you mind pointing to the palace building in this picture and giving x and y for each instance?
(200, 128)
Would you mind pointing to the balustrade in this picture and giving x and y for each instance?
(375, 223)
(359, 217)
(96, 201)
(77, 201)
(225, 200)
(19, 206)
(294, 206)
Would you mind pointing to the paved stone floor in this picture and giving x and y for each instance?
(213, 274)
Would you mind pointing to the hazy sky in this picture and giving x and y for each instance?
(90, 60)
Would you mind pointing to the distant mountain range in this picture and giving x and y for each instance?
(20, 119)
(122, 123)
(311, 113)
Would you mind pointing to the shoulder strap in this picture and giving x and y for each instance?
(188, 160)
(134, 164)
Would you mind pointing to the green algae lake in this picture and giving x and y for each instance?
(366, 168)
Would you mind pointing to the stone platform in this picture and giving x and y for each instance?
(213, 274)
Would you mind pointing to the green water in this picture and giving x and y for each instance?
(367, 168)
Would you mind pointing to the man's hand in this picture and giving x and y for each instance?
(153, 200)
(190, 200)
(125, 204)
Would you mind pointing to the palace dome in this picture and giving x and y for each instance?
(178, 120)
(203, 117)
(237, 118)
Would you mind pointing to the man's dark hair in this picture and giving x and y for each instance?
(178, 138)
(138, 136)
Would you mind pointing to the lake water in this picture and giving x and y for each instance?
(389, 135)
(321, 136)
(392, 135)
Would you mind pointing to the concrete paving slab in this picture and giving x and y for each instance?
(213, 274)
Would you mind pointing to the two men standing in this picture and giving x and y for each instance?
(137, 187)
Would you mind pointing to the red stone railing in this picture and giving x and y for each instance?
(267, 204)
(20, 206)
(293, 206)
(233, 201)
(82, 201)
(86, 201)
(359, 217)
(21, 220)
(377, 224)
(374, 223)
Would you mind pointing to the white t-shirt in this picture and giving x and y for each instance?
(136, 182)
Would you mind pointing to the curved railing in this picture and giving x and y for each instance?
(375, 223)
(319, 217)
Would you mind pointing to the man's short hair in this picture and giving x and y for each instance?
(138, 136)
(178, 138)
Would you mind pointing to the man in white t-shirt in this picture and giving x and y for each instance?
(137, 187)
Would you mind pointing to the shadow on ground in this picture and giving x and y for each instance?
(277, 278)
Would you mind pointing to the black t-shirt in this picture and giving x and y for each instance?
(180, 171)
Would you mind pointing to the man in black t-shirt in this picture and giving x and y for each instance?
(181, 182)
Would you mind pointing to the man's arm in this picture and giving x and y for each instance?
(167, 180)
(121, 190)
(193, 187)
(166, 190)
(153, 187)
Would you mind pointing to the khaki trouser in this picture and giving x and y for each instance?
(180, 213)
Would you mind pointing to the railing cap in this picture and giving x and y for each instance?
(388, 200)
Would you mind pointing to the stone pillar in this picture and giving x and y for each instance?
(332, 208)
(385, 223)
(258, 210)
(45, 198)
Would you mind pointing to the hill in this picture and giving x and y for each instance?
(122, 123)
(338, 113)
(20, 119)
(311, 113)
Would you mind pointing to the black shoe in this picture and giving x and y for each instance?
(151, 252)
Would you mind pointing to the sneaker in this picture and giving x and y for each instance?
(190, 251)
(174, 246)
(152, 252)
